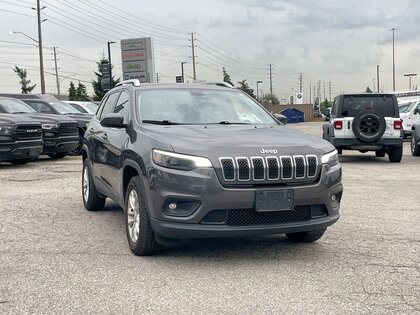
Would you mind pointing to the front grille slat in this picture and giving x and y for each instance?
(252, 217)
(68, 129)
(270, 168)
(27, 132)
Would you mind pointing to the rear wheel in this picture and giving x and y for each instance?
(415, 148)
(306, 237)
(141, 238)
(92, 199)
(78, 149)
(395, 154)
(56, 156)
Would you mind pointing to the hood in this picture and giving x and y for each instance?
(13, 119)
(47, 118)
(82, 119)
(237, 140)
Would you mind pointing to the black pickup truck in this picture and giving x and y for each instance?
(20, 139)
(60, 133)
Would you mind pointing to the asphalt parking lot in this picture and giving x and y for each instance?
(57, 258)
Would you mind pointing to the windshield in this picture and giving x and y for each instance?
(194, 106)
(383, 105)
(91, 107)
(64, 108)
(406, 107)
(14, 106)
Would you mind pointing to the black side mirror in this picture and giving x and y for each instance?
(416, 111)
(113, 120)
(281, 118)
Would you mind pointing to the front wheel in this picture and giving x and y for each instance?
(56, 156)
(395, 154)
(380, 153)
(306, 237)
(92, 199)
(141, 238)
(415, 148)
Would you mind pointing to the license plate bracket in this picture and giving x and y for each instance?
(274, 200)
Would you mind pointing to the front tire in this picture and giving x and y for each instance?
(306, 237)
(92, 199)
(380, 153)
(141, 238)
(56, 156)
(20, 162)
(395, 154)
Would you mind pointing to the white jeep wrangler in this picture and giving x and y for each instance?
(366, 122)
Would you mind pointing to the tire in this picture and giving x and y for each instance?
(380, 153)
(339, 150)
(79, 148)
(57, 156)
(92, 199)
(395, 154)
(140, 236)
(306, 237)
(368, 127)
(415, 148)
(20, 162)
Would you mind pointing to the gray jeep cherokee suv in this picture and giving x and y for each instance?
(204, 161)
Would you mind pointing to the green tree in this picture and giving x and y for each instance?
(96, 84)
(81, 92)
(226, 77)
(243, 85)
(324, 105)
(271, 97)
(25, 87)
(368, 90)
(72, 92)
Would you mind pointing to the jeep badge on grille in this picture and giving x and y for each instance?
(268, 151)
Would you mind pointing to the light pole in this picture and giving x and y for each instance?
(182, 70)
(259, 81)
(109, 65)
(41, 61)
(393, 57)
(409, 75)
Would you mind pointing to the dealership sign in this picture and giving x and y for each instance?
(138, 59)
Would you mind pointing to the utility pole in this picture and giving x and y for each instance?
(182, 70)
(329, 90)
(56, 71)
(41, 59)
(409, 75)
(271, 81)
(157, 77)
(193, 56)
(377, 76)
(109, 65)
(393, 58)
(324, 92)
(300, 81)
(310, 93)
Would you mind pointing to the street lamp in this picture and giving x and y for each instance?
(41, 61)
(257, 87)
(409, 75)
(182, 70)
(393, 58)
(109, 66)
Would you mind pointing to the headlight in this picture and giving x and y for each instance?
(179, 161)
(5, 130)
(49, 126)
(330, 158)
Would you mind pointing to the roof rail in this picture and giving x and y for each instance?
(218, 83)
(134, 82)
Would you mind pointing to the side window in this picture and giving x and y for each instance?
(123, 105)
(334, 108)
(101, 108)
(418, 108)
(109, 104)
(41, 108)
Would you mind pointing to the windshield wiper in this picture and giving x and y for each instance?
(22, 113)
(160, 122)
(226, 122)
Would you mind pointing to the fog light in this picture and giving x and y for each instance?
(180, 207)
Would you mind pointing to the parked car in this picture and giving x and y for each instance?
(415, 140)
(410, 115)
(84, 107)
(60, 133)
(190, 161)
(366, 122)
(61, 108)
(20, 139)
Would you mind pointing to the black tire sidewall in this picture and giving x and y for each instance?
(363, 137)
(95, 201)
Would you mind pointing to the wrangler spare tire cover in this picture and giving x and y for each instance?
(368, 126)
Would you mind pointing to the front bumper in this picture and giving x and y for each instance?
(203, 186)
(60, 144)
(18, 150)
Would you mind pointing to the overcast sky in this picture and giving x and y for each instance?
(329, 41)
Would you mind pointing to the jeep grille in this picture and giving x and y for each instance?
(271, 168)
